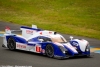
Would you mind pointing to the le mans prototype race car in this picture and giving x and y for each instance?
(45, 42)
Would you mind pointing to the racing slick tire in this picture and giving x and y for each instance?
(11, 43)
(49, 51)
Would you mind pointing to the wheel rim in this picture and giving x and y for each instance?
(11, 44)
(49, 51)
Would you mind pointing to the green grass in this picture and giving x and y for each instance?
(76, 17)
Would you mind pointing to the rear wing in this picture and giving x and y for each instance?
(9, 31)
(27, 31)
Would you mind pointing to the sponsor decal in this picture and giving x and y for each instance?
(29, 31)
(38, 49)
(21, 46)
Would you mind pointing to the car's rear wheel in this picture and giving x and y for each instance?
(49, 51)
(11, 43)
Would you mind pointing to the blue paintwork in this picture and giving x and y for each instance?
(17, 39)
(57, 50)
(77, 46)
(70, 51)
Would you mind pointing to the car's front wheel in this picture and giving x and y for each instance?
(11, 43)
(49, 51)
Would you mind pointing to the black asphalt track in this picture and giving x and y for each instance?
(23, 58)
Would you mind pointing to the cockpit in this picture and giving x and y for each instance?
(52, 38)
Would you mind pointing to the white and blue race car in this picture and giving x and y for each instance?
(45, 42)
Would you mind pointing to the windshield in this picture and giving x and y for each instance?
(56, 38)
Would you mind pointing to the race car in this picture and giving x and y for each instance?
(45, 42)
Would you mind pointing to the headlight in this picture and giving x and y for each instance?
(88, 48)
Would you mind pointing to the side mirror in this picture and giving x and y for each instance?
(71, 37)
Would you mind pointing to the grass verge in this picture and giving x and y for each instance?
(76, 17)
